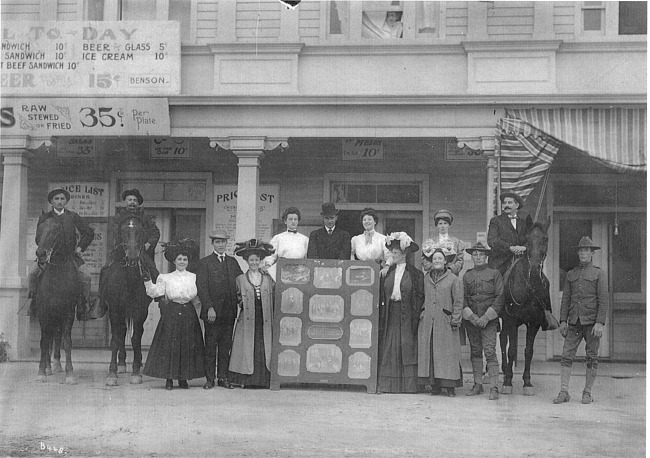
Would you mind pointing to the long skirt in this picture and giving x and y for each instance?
(177, 348)
(435, 381)
(261, 377)
(393, 375)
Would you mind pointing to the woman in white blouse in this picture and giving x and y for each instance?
(177, 348)
(290, 244)
(371, 245)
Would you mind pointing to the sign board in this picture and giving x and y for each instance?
(95, 254)
(85, 117)
(454, 153)
(75, 147)
(91, 57)
(362, 149)
(170, 148)
(225, 211)
(325, 323)
(89, 199)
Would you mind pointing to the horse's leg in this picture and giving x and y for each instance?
(531, 333)
(46, 339)
(121, 349)
(56, 367)
(70, 379)
(505, 342)
(48, 360)
(117, 332)
(136, 342)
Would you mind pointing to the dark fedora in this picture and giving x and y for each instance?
(371, 212)
(135, 193)
(56, 192)
(401, 241)
(329, 209)
(480, 246)
(519, 200)
(254, 246)
(586, 242)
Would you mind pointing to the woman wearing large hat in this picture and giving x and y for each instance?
(371, 245)
(250, 359)
(401, 294)
(177, 348)
(451, 246)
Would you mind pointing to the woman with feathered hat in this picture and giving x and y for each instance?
(250, 359)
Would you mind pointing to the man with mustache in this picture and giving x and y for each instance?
(507, 232)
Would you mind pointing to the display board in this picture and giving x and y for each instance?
(325, 323)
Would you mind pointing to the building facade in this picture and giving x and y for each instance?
(276, 107)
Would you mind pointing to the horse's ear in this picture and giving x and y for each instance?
(548, 223)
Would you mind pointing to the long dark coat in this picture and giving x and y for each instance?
(325, 246)
(217, 287)
(71, 223)
(443, 306)
(412, 291)
(501, 236)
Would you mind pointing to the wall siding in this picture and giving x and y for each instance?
(206, 22)
(456, 19)
(258, 20)
(309, 20)
(21, 10)
(564, 20)
(629, 332)
(510, 21)
(67, 10)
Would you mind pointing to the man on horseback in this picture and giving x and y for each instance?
(507, 233)
(585, 300)
(483, 287)
(71, 223)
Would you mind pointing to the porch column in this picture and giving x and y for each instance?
(250, 152)
(488, 147)
(13, 267)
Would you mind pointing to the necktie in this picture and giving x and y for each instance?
(329, 232)
(221, 258)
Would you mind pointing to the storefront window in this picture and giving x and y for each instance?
(628, 260)
(596, 196)
(124, 10)
(632, 18)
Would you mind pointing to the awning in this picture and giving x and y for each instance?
(530, 138)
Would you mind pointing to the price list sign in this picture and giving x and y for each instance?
(90, 57)
(89, 199)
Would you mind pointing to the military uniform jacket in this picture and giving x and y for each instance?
(502, 235)
(72, 223)
(216, 283)
(325, 246)
(585, 296)
(483, 288)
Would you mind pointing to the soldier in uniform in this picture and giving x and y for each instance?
(582, 316)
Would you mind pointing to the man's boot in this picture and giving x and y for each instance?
(493, 371)
(565, 375)
(477, 368)
(590, 376)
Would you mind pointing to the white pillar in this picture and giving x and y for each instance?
(13, 265)
(248, 183)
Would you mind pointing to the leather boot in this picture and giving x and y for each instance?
(590, 377)
(477, 369)
(565, 376)
(493, 371)
(476, 390)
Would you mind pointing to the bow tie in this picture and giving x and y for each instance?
(293, 232)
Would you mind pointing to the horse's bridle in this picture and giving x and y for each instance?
(528, 284)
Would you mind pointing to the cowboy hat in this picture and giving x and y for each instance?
(253, 246)
(519, 200)
(135, 193)
(586, 242)
(479, 246)
(56, 192)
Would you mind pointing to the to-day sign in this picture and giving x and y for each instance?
(90, 57)
(362, 149)
(85, 117)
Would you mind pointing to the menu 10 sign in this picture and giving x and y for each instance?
(89, 199)
(362, 149)
(90, 57)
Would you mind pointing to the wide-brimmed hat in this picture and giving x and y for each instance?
(369, 211)
(480, 246)
(187, 245)
(219, 234)
(133, 192)
(402, 241)
(443, 214)
(329, 209)
(254, 246)
(586, 242)
(56, 192)
(519, 200)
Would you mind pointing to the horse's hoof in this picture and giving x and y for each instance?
(529, 391)
(111, 381)
(40, 378)
(136, 379)
(71, 380)
(506, 389)
(121, 369)
(56, 367)
(48, 371)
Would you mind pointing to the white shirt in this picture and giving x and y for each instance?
(372, 251)
(58, 212)
(399, 273)
(290, 245)
(176, 286)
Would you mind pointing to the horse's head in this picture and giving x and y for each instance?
(133, 238)
(537, 244)
(50, 232)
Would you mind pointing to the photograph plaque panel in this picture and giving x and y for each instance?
(289, 363)
(328, 277)
(360, 334)
(295, 274)
(359, 366)
(290, 331)
(326, 309)
(361, 303)
(325, 332)
(360, 276)
(324, 358)
(292, 301)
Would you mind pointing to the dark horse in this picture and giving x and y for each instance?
(56, 298)
(526, 298)
(127, 300)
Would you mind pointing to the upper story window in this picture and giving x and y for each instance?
(382, 20)
(632, 18)
(593, 16)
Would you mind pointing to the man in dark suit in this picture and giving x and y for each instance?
(329, 242)
(507, 233)
(215, 282)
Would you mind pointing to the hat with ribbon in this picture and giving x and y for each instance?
(586, 242)
(480, 246)
(254, 246)
(174, 248)
(401, 241)
(445, 215)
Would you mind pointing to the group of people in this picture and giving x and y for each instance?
(421, 313)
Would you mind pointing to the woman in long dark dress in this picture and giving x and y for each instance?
(250, 358)
(401, 298)
(177, 348)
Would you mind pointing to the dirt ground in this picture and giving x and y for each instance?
(90, 419)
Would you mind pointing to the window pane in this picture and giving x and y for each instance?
(179, 10)
(592, 19)
(398, 194)
(339, 17)
(628, 257)
(138, 10)
(354, 193)
(632, 18)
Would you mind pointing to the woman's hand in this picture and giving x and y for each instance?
(212, 315)
(145, 275)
